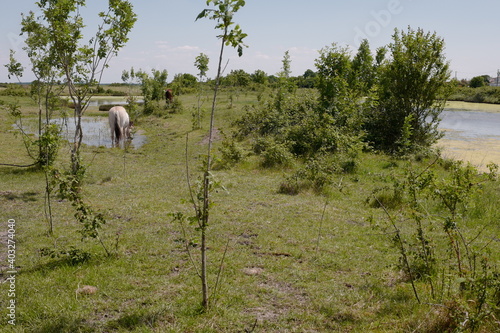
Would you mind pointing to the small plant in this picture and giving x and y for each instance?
(175, 106)
(231, 154)
(316, 174)
(455, 271)
(73, 255)
(275, 154)
(69, 185)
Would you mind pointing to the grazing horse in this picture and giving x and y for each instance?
(119, 124)
(169, 96)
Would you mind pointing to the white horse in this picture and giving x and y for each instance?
(119, 123)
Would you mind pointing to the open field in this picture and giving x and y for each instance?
(303, 263)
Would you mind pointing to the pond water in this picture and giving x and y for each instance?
(472, 133)
(470, 124)
(95, 131)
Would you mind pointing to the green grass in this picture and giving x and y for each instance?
(288, 266)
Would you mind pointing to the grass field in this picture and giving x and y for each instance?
(303, 263)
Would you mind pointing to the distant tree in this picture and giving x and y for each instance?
(334, 72)
(152, 87)
(362, 70)
(259, 77)
(183, 82)
(411, 94)
(285, 82)
(201, 63)
(307, 80)
(480, 81)
(238, 78)
(309, 73)
(286, 68)
(235, 81)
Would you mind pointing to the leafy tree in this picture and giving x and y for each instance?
(183, 82)
(152, 87)
(362, 72)
(56, 49)
(479, 81)
(59, 32)
(14, 68)
(334, 71)
(223, 13)
(286, 69)
(285, 84)
(308, 79)
(238, 78)
(259, 77)
(201, 63)
(411, 93)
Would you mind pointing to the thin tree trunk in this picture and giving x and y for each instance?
(206, 183)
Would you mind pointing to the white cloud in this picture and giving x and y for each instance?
(301, 51)
(260, 55)
(187, 48)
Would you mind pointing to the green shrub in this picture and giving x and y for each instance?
(15, 90)
(316, 174)
(231, 154)
(276, 154)
(476, 95)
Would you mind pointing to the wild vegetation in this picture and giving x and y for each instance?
(307, 261)
(320, 205)
(484, 94)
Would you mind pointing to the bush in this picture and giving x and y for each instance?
(477, 95)
(275, 154)
(316, 174)
(15, 90)
(231, 154)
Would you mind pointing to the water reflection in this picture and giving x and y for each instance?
(472, 136)
(95, 131)
(466, 125)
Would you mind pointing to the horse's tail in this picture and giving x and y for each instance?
(117, 129)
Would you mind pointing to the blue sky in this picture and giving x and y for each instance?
(166, 35)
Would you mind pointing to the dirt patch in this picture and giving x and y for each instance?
(216, 136)
(283, 298)
(253, 270)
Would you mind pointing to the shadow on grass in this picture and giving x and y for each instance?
(29, 196)
(18, 170)
(136, 319)
(63, 324)
(67, 260)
